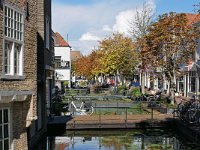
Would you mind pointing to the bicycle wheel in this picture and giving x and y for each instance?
(89, 110)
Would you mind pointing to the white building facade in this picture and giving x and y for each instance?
(62, 62)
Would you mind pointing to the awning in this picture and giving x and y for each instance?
(9, 96)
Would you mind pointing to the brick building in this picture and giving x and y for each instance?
(25, 71)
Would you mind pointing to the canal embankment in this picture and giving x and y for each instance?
(60, 124)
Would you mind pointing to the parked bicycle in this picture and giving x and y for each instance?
(151, 100)
(189, 111)
(85, 108)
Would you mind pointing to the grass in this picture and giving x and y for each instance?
(136, 109)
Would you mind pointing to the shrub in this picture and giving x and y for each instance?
(135, 91)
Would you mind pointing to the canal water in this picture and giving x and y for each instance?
(156, 139)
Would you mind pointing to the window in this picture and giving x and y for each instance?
(4, 129)
(13, 41)
(180, 84)
(61, 64)
(65, 64)
(7, 51)
(57, 61)
(17, 50)
(13, 23)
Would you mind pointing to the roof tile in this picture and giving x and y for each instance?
(192, 18)
(60, 41)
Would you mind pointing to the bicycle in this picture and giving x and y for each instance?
(84, 109)
(189, 112)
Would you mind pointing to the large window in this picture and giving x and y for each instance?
(4, 129)
(13, 41)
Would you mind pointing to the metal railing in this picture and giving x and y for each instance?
(119, 115)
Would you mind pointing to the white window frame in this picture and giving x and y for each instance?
(16, 37)
(3, 124)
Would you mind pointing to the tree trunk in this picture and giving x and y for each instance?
(142, 82)
(172, 92)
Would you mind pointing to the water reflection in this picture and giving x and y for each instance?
(117, 140)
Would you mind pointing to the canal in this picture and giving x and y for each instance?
(126, 139)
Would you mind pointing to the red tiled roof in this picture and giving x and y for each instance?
(59, 40)
(192, 18)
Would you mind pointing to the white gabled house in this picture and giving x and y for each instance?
(62, 61)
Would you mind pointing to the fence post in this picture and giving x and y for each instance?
(95, 104)
(117, 107)
(100, 120)
(126, 118)
(74, 124)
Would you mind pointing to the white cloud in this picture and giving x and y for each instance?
(89, 37)
(107, 28)
(87, 24)
(84, 46)
(122, 21)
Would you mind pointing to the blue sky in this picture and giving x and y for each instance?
(85, 22)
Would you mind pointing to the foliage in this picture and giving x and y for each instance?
(56, 108)
(83, 83)
(122, 89)
(87, 66)
(138, 28)
(135, 91)
(115, 55)
(170, 43)
(66, 83)
(118, 55)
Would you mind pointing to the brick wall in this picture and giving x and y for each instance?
(30, 50)
(33, 71)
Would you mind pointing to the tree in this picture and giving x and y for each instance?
(197, 8)
(118, 55)
(170, 43)
(138, 28)
(87, 66)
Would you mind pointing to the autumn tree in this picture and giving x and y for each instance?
(87, 66)
(95, 67)
(170, 43)
(81, 66)
(138, 29)
(118, 55)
